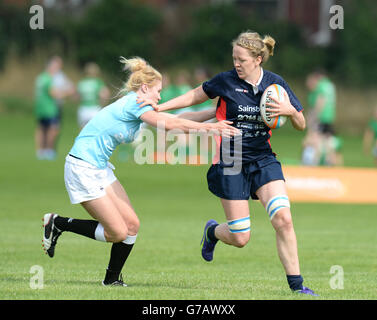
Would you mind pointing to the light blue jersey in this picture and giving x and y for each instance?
(117, 123)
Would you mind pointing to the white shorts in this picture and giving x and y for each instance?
(84, 114)
(84, 181)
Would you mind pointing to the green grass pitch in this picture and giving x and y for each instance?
(173, 204)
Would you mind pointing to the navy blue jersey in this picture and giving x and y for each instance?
(238, 103)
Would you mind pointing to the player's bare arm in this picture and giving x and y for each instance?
(154, 118)
(190, 98)
(199, 116)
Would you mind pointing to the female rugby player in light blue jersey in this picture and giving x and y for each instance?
(89, 176)
(261, 177)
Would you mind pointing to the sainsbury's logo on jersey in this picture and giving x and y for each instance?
(242, 90)
(248, 108)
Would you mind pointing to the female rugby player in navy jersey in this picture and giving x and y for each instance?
(260, 176)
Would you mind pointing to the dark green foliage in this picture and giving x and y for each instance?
(355, 47)
(15, 31)
(116, 28)
(105, 30)
(208, 40)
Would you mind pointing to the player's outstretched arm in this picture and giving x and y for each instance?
(190, 98)
(199, 116)
(156, 119)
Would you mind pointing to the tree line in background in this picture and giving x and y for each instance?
(201, 36)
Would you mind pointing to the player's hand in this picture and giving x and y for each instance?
(224, 128)
(147, 102)
(281, 108)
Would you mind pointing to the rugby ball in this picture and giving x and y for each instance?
(275, 91)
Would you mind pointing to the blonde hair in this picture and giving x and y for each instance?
(257, 46)
(141, 73)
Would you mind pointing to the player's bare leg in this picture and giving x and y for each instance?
(235, 232)
(115, 221)
(120, 199)
(234, 210)
(286, 242)
(120, 249)
(52, 134)
(274, 195)
(39, 142)
(106, 213)
(283, 225)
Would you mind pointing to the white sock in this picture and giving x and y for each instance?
(99, 234)
(130, 239)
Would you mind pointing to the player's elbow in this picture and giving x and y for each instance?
(301, 126)
(174, 123)
(170, 124)
(299, 122)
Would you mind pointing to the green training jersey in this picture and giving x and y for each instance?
(89, 91)
(168, 93)
(45, 105)
(373, 126)
(182, 89)
(326, 90)
(173, 91)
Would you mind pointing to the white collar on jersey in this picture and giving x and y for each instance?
(255, 86)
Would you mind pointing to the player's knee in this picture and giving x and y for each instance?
(282, 220)
(276, 205)
(119, 237)
(133, 225)
(240, 231)
(241, 239)
(118, 234)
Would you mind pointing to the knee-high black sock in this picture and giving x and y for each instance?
(86, 228)
(118, 256)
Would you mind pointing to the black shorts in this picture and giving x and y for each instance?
(48, 122)
(243, 185)
(326, 128)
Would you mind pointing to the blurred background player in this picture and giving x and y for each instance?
(315, 152)
(322, 100)
(310, 154)
(172, 89)
(182, 142)
(49, 92)
(207, 146)
(182, 82)
(321, 146)
(61, 82)
(201, 74)
(169, 89)
(92, 93)
(370, 137)
(174, 86)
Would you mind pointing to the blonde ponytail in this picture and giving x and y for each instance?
(140, 73)
(269, 43)
(133, 64)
